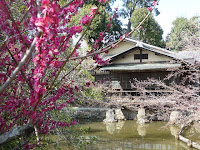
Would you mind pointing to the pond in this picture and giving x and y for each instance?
(129, 135)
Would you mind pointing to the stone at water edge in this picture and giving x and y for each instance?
(110, 116)
(119, 115)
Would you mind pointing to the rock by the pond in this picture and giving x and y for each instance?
(110, 116)
(119, 115)
(173, 116)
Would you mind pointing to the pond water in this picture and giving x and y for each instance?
(129, 135)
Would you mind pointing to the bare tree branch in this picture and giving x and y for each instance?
(76, 45)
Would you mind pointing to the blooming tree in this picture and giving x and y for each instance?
(34, 51)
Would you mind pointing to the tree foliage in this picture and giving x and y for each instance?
(184, 31)
(106, 22)
(131, 5)
(150, 32)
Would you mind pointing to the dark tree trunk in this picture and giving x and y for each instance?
(129, 26)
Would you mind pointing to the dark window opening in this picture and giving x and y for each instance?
(139, 56)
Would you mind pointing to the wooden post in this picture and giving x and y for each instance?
(140, 55)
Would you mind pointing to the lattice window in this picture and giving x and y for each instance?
(140, 56)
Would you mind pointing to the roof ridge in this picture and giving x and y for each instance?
(140, 42)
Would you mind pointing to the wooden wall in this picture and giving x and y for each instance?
(121, 80)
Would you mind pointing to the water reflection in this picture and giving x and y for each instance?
(141, 129)
(119, 126)
(129, 135)
(174, 130)
(110, 127)
(115, 127)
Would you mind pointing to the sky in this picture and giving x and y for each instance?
(170, 10)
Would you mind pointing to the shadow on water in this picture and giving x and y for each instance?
(95, 131)
(128, 135)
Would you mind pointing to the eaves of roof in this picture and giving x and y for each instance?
(139, 67)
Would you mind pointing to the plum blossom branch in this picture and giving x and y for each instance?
(25, 14)
(20, 65)
(70, 71)
(76, 45)
(15, 24)
(23, 75)
(26, 56)
(10, 37)
(67, 4)
(19, 104)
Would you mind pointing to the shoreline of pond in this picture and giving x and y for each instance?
(97, 114)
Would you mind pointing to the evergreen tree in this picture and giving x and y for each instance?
(107, 21)
(150, 32)
(130, 6)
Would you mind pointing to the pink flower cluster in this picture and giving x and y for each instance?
(151, 7)
(102, 1)
(86, 19)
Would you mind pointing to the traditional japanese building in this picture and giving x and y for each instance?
(133, 59)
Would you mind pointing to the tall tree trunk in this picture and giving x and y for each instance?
(129, 20)
(129, 26)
